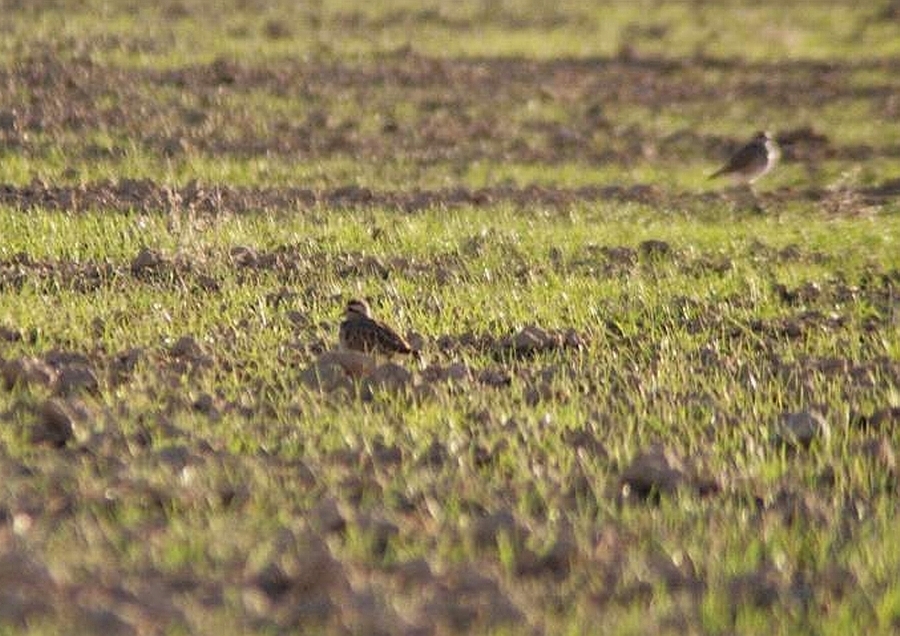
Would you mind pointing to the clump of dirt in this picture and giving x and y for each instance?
(532, 340)
(799, 430)
(529, 341)
(658, 471)
(26, 371)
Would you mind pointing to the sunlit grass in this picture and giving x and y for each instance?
(225, 480)
(166, 35)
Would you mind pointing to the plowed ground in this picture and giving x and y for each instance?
(643, 402)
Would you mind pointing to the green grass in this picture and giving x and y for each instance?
(167, 35)
(646, 388)
(221, 490)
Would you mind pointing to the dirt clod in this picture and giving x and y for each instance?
(27, 371)
(390, 377)
(881, 451)
(186, 347)
(147, 261)
(801, 429)
(760, 588)
(654, 248)
(352, 363)
(53, 426)
(655, 471)
(244, 256)
(9, 334)
(485, 530)
(76, 378)
(27, 590)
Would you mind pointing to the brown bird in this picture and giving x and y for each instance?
(752, 161)
(360, 332)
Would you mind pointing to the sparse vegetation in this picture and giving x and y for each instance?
(644, 404)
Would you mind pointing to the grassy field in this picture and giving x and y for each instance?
(645, 402)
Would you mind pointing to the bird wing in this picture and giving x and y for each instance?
(391, 340)
(742, 159)
(371, 336)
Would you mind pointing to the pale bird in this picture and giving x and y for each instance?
(360, 332)
(752, 161)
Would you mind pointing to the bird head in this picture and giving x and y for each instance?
(356, 308)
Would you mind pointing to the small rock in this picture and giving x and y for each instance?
(447, 343)
(810, 291)
(100, 621)
(791, 252)
(826, 478)
(587, 439)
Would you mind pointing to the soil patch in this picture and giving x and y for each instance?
(147, 196)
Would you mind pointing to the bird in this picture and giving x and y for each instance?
(752, 161)
(360, 332)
